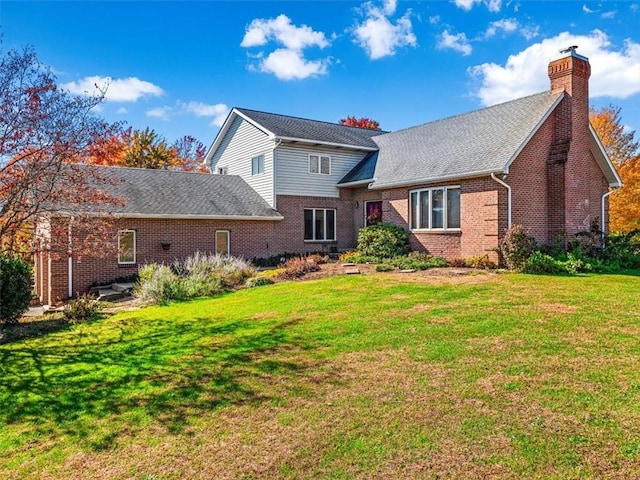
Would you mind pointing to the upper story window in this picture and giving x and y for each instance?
(257, 165)
(435, 208)
(222, 170)
(126, 247)
(320, 164)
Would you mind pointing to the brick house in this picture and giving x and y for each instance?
(455, 185)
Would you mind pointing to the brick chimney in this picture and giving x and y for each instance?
(570, 206)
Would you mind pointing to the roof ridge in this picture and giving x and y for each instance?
(311, 120)
(145, 169)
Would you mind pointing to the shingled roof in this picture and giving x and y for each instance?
(170, 194)
(476, 143)
(303, 129)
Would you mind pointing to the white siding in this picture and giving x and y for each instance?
(292, 170)
(242, 142)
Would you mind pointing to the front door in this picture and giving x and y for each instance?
(372, 213)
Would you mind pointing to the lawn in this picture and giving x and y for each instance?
(372, 376)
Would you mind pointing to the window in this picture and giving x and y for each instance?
(126, 247)
(222, 170)
(222, 242)
(372, 213)
(257, 165)
(319, 224)
(320, 164)
(435, 209)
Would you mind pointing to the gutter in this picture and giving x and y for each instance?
(508, 187)
(602, 225)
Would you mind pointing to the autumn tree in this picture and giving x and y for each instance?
(147, 149)
(44, 137)
(362, 122)
(624, 151)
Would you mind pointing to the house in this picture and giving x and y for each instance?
(286, 184)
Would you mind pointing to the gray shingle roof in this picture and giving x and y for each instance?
(305, 129)
(169, 193)
(478, 142)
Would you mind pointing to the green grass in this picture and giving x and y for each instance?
(377, 376)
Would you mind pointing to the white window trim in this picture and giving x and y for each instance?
(228, 232)
(120, 232)
(320, 157)
(445, 220)
(313, 225)
(263, 166)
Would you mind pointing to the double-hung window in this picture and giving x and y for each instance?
(257, 165)
(435, 208)
(319, 224)
(126, 247)
(320, 164)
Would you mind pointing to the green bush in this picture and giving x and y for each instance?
(258, 281)
(383, 267)
(15, 288)
(383, 240)
(516, 247)
(480, 261)
(417, 261)
(83, 308)
(540, 262)
(159, 284)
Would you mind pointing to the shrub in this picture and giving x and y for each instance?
(258, 281)
(457, 262)
(480, 261)
(299, 266)
(418, 261)
(540, 262)
(349, 257)
(15, 288)
(83, 308)
(159, 284)
(516, 247)
(272, 273)
(383, 267)
(383, 240)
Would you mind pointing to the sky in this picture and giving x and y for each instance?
(179, 67)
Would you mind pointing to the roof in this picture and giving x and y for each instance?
(477, 143)
(170, 194)
(283, 127)
(362, 172)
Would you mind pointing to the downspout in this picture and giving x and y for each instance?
(602, 225)
(70, 259)
(508, 187)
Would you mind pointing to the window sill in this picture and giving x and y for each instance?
(127, 264)
(321, 241)
(450, 231)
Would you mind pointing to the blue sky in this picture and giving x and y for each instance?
(178, 67)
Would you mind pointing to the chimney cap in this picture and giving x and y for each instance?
(570, 49)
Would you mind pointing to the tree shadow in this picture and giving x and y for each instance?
(171, 372)
(32, 328)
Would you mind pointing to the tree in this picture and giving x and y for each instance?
(147, 149)
(624, 151)
(44, 137)
(362, 122)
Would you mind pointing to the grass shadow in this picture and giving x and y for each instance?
(32, 328)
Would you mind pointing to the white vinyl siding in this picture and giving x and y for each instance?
(242, 143)
(292, 170)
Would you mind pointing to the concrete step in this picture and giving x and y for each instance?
(122, 287)
(111, 295)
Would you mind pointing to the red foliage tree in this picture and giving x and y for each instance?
(362, 122)
(45, 133)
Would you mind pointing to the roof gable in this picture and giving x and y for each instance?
(477, 143)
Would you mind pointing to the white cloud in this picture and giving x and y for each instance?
(117, 89)
(218, 111)
(288, 63)
(586, 9)
(492, 5)
(163, 113)
(291, 65)
(614, 73)
(511, 25)
(378, 36)
(122, 111)
(457, 42)
(434, 20)
(608, 15)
